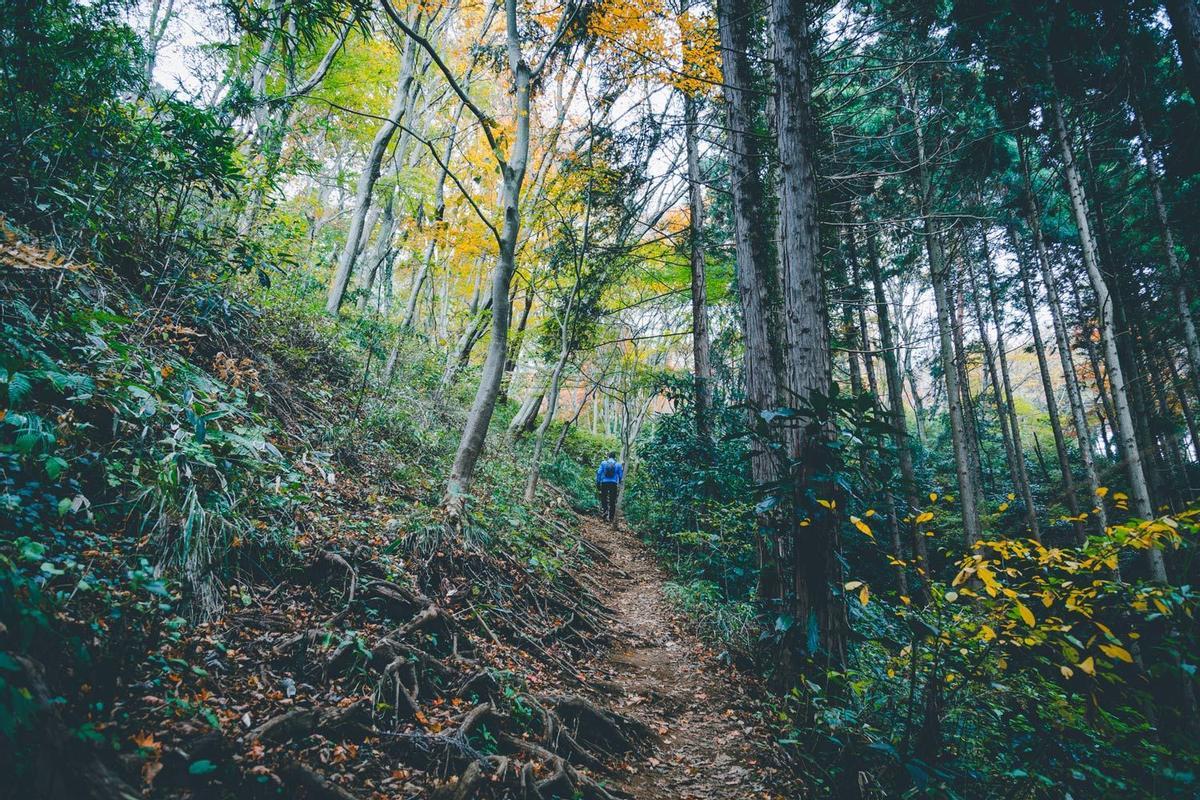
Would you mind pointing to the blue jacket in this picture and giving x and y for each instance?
(617, 474)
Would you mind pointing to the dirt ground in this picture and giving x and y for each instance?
(712, 743)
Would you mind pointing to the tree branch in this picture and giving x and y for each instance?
(485, 121)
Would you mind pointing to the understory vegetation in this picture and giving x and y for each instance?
(1026, 666)
(165, 476)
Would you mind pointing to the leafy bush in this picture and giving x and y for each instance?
(96, 160)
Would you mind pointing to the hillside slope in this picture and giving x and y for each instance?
(225, 576)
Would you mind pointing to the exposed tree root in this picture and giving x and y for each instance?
(312, 783)
(609, 732)
(298, 723)
(427, 650)
(564, 780)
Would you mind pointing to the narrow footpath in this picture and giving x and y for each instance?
(711, 743)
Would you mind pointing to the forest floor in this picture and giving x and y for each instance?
(712, 740)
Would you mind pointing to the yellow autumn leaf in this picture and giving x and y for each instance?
(924, 516)
(1103, 490)
(862, 527)
(1088, 665)
(864, 594)
(1066, 671)
(1026, 614)
(933, 497)
(1003, 507)
(1161, 606)
(1120, 653)
(1012, 496)
(905, 599)
(870, 512)
(827, 503)
(987, 633)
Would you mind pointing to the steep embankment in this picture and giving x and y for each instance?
(224, 574)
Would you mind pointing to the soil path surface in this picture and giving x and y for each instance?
(711, 743)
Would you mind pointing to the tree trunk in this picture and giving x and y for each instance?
(1103, 402)
(583, 402)
(1039, 346)
(436, 223)
(1185, 409)
(895, 392)
(1185, 24)
(1126, 328)
(564, 347)
(368, 177)
(1175, 273)
(970, 414)
(271, 115)
(513, 170)
(380, 253)
(1083, 434)
(938, 274)
(527, 413)
(518, 340)
(539, 439)
(535, 460)
(460, 356)
(156, 29)
(819, 613)
(701, 367)
(1024, 490)
(1124, 421)
(756, 277)
(993, 379)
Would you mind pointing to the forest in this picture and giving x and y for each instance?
(320, 318)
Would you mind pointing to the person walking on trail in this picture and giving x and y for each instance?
(609, 475)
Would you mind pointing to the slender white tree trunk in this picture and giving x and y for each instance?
(1116, 375)
(939, 277)
(366, 180)
(1039, 346)
(480, 416)
(1187, 321)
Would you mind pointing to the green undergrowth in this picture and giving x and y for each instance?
(1017, 669)
(155, 461)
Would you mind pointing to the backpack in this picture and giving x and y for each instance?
(608, 470)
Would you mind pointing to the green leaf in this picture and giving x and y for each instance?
(19, 387)
(201, 767)
(55, 466)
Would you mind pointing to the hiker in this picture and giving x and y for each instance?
(609, 475)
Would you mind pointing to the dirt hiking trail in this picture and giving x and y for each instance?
(710, 742)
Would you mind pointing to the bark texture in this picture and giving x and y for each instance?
(819, 614)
